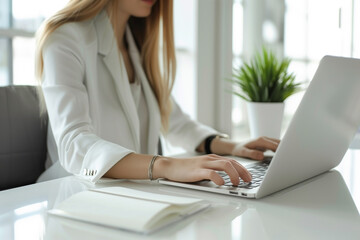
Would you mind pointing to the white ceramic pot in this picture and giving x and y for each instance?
(265, 119)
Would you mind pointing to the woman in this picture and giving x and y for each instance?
(108, 98)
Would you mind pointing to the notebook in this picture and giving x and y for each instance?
(318, 136)
(128, 209)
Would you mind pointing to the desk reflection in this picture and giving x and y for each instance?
(321, 205)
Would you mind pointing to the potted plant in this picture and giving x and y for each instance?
(264, 83)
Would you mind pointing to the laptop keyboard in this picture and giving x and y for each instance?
(257, 172)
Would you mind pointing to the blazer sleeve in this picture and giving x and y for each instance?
(80, 150)
(185, 132)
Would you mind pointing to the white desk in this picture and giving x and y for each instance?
(325, 207)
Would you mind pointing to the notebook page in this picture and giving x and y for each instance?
(127, 192)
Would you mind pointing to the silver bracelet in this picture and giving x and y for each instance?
(151, 166)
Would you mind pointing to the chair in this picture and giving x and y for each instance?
(22, 137)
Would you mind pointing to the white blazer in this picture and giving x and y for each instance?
(91, 110)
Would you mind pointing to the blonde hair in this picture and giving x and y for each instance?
(146, 33)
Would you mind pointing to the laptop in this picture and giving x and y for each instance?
(316, 140)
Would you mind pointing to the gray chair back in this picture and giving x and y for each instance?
(22, 137)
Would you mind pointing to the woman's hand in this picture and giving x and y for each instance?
(135, 166)
(200, 168)
(255, 149)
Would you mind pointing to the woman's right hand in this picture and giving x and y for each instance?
(199, 168)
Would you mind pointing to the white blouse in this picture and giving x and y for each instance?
(143, 113)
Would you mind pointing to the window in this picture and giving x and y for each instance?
(184, 28)
(239, 115)
(184, 90)
(308, 37)
(4, 61)
(4, 42)
(294, 29)
(19, 20)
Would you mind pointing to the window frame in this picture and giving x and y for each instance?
(214, 64)
(9, 33)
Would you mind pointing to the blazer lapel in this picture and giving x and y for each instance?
(107, 47)
(153, 107)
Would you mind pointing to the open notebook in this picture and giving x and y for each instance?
(128, 209)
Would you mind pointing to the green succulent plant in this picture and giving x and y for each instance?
(265, 79)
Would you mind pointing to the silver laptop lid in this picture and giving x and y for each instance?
(322, 128)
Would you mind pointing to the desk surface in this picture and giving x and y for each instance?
(324, 207)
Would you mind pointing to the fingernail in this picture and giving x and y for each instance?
(249, 177)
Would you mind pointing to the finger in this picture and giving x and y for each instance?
(243, 172)
(227, 166)
(211, 157)
(273, 139)
(253, 154)
(261, 149)
(211, 175)
(262, 143)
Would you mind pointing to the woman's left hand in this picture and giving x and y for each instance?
(255, 149)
